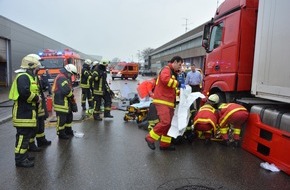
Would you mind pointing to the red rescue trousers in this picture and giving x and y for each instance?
(205, 128)
(236, 120)
(165, 114)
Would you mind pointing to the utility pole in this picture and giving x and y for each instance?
(186, 24)
(186, 19)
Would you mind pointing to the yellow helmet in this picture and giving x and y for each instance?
(214, 98)
(71, 69)
(30, 61)
(104, 62)
(88, 61)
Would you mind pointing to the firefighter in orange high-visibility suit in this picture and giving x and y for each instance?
(205, 121)
(164, 100)
(232, 115)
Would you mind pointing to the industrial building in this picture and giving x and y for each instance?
(16, 41)
(188, 46)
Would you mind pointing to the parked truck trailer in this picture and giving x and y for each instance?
(247, 45)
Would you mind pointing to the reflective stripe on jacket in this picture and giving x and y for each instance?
(62, 93)
(165, 89)
(99, 78)
(85, 77)
(24, 92)
(206, 115)
(226, 110)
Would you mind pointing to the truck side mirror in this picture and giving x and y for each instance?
(205, 43)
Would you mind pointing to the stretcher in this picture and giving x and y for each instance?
(137, 111)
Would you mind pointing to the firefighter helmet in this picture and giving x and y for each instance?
(88, 61)
(104, 62)
(30, 61)
(71, 69)
(214, 98)
(95, 63)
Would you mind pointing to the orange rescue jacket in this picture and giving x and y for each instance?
(165, 89)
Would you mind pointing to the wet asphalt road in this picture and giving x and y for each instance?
(112, 154)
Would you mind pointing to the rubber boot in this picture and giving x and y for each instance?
(42, 141)
(62, 135)
(26, 163)
(107, 114)
(97, 117)
(33, 148)
(69, 131)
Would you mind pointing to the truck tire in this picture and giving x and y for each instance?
(222, 97)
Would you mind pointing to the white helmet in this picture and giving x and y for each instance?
(88, 61)
(30, 61)
(214, 98)
(95, 63)
(71, 69)
(104, 62)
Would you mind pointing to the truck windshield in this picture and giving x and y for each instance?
(52, 63)
(119, 67)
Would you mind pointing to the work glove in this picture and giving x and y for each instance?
(181, 81)
(74, 106)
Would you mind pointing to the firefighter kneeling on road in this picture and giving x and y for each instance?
(101, 91)
(63, 101)
(24, 92)
(205, 121)
(232, 115)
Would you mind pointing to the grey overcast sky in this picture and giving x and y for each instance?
(110, 28)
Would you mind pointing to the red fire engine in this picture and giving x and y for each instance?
(54, 60)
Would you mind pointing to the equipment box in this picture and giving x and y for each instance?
(123, 104)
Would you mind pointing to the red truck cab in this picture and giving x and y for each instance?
(229, 41)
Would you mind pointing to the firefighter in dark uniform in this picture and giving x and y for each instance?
(42, 115)
(85, 85)
(63, 101)
(24, 92)
(101, 91)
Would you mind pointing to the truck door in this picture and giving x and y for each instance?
(223, 53)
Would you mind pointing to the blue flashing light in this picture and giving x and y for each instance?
(59, 53)
(40, 54)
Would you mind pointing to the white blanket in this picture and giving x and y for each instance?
(182, 111)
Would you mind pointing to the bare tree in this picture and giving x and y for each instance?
(145, 53)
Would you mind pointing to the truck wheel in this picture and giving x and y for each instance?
(222, 97)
